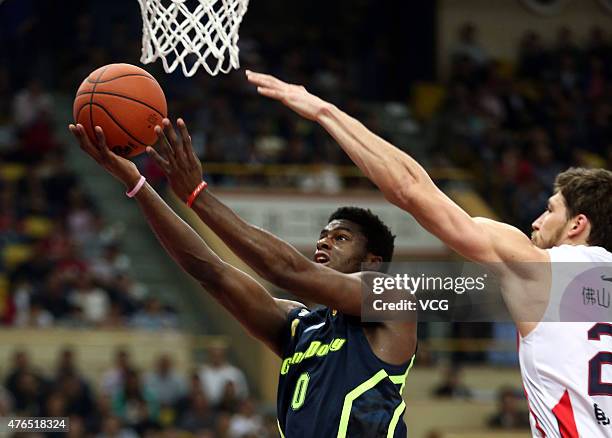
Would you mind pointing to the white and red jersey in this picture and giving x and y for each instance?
(567, 366)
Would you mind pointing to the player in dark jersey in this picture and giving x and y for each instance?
(339, 377)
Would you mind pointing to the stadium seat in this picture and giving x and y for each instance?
(12, 171)
(37, 227)
(14, 254)
(426, 99)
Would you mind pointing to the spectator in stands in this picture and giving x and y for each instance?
(29, 394)
(32, 111)
(565, 45)
(229, 400)
(115, 317)
(217, 373)
(77, 395)
(596, 82)
(112, 379)
(113, 428)
(93, 300)
(468, 57)
(21, 366)
(110, 265)
(223, 424)
(509, 416)
(35, 316)
(81, 218)
(66, 365)
(154, 317)
(166, 385)
(246, 422)
(32, 271)
(452, 386)
(132, 291)
(71, 265)
(198, 415)
(77, 428)
(58, 179)
(597, 45)
(102, 410)
(6, 402)
(31, 104)
(532, 56)
(55, 405)
(134, 403)
(54, 295)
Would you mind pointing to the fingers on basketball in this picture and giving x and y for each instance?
(101, 144)
(187, 149)
(165, 149)
(163, 146)
(170, 133)
(84, 142)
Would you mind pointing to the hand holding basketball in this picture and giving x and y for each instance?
(176, 158)
(295, 97)
(122, 169)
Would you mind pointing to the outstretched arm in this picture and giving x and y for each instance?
(262, 315)
(404, 182)
(272, 258)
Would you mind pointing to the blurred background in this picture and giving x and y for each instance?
(495, 98)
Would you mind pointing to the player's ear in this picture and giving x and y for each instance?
(578, 225)
(372, 262)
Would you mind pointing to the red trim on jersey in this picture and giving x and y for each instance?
(535, 417)
(565, 417)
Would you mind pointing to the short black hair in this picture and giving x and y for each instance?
(380, 240)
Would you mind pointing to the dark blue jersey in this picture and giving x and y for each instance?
(333, 385)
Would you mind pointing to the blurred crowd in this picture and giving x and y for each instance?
(212, 401)
(511, 413)
(517, 124)
(228, 121)
(61, 263)
(513, 123)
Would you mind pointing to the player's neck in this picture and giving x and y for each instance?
(574, 241)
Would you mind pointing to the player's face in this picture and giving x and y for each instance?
(550, 228)
(341, 246)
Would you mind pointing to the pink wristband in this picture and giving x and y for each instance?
(137, 187)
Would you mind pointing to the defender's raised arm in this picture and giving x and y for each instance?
(403, 181)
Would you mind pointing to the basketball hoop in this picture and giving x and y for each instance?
(205, 36)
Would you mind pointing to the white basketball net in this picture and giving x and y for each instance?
(207, 36)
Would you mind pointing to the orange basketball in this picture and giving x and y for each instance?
(126, 101)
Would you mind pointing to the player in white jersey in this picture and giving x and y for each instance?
(566, 366)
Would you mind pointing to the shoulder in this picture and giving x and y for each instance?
(289, 306)
(513, 252)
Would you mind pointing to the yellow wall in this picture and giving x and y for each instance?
(95, 349)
